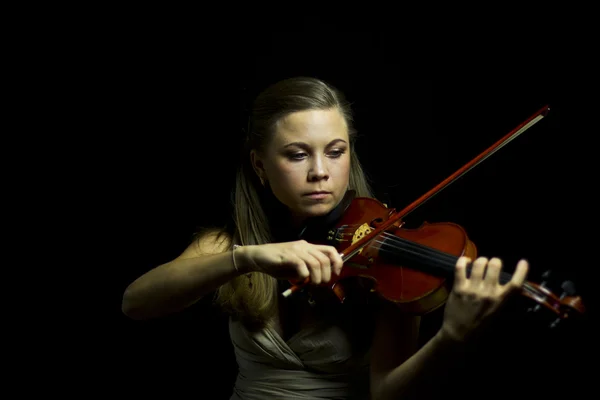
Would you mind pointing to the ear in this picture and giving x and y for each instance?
(258, 165)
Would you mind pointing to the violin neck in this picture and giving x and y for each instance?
(413, 255)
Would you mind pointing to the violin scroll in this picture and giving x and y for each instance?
(565, 305)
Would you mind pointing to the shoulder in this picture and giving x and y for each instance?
(206, 242)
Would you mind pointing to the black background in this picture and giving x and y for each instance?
(172, 131)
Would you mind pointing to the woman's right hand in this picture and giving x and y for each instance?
(295, 260)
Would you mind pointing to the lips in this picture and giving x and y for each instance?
(317, 192)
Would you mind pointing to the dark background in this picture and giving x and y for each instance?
(173, 128)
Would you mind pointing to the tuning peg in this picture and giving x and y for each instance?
(546, 277)
(535, 308)
(547, 274)
(568, 288)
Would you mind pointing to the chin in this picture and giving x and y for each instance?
(317, 210)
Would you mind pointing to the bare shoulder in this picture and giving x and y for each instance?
(210, 241)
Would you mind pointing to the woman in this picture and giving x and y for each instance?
(300, 171)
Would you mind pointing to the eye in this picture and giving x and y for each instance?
(296, 156)
(337, 153)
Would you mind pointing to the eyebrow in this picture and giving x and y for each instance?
(305, 146)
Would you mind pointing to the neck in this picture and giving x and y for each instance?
(297, 222)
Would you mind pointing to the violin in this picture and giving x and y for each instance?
(413, 268)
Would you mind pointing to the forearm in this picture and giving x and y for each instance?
(421, 374)
(174, 286)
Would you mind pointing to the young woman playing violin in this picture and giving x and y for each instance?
(299, 168)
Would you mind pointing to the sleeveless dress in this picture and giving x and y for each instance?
(316, 363)
(328, 360)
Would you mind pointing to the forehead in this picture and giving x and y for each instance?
(311, 126)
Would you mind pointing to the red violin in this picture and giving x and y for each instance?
(413, 267)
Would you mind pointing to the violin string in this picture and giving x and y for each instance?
(444, 260)
(441, 261)
(434, 256)
(449, 260)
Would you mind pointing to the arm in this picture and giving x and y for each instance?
(202, 267)
(207, 264)
(398, 370)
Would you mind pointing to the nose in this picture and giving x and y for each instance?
(318, 170)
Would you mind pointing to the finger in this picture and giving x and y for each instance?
(325, 272)
(335, 259)
(325, 265)
(301, 268)
(460, 271)
(314, 266)
(518, 278)
(478, 269)
(520, 273)
(492, 273)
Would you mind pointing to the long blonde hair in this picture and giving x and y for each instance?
(253, 297)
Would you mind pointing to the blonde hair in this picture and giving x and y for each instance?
(253, 297)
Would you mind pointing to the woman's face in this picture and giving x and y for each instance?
(307, 163)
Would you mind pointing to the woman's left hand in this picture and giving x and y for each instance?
(473, 300)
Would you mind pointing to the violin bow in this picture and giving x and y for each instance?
(358, 245)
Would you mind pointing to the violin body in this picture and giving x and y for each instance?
(413, 290)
